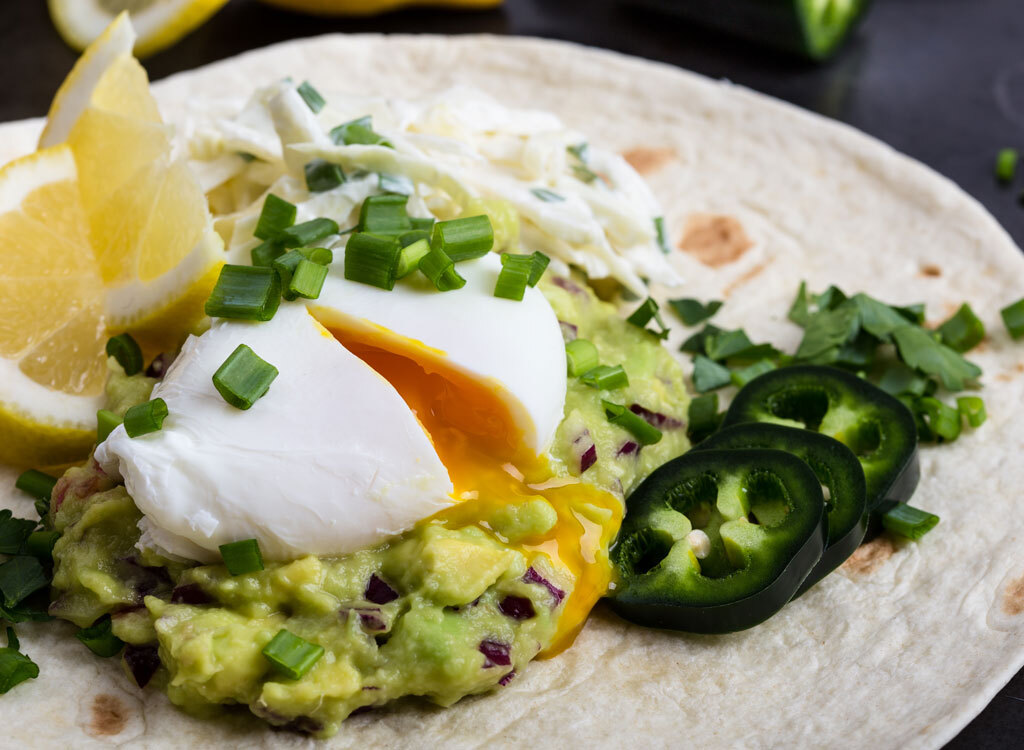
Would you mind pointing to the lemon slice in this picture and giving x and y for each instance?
(147, 215)
(52, 332)
(159, 23)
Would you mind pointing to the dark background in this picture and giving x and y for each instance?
(941, 80)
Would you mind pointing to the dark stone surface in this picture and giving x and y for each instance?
(940, 80)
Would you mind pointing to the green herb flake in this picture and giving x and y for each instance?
(19, 577)
(693, 311)
(15, 667)
(1006, 164)
(963, 331)
(708, 375)
(1013, 318)
(13, 532)
(921, 351)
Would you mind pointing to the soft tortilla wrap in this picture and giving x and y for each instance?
(899, 648)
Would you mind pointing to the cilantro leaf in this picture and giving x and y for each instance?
(709, 375)
(697, 343)
(799, 311)
(828, 330)
(13, 532)
(921, 351)
(877, 318)
(693, 311)
(15, 667)
(19, 577)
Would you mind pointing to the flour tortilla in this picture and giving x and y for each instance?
(900, 648)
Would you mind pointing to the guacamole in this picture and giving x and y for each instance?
(448, 609)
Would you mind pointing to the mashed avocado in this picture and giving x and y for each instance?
(443, 611)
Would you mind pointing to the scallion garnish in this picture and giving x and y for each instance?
(37, 484)
(972, 408)
(538, 264)
(514, 277)
(127, 352)
(963, 331)
(581, 356)
(464, 239)
(397, 184)
(643, 315)
(322, 175)
(287, 263)
(605, 377)
(1006, 164)
(143, 419)
(702, 417)
(242, 557)
(581, 151)
(40, 544)
(99, 638)
(410, 256)
(548, 196)
(941, 419)
(422, 222)
(414, 235)
(439, 268)
(1013, 318)
(244, 377)
(634, 424)
(384, 214)
(265, 253)
(358, 132)
(291, 655)
(106, 421)
(908, 521)
(308, 279)
(659, 233)
(694, 311)
(308, 232)
(311, 96)
(245, 293)
(372, 259)
(276, 216)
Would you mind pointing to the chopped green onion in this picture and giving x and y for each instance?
(242, 557)
(963, 331)
(106, 421)
(634, 424)
(127, 352)
(584, 174)
(908, 521)
(247, 157)
(99, 638)
(40, 544)
(384, 214)
(276, 216)
(943, 420)
(143, 419)
(291, 655)
(322, 175)
(659, 233)
(320, 255)
(1013, 318)
(693, 311)
(308, 279)
(464, 239)
(439, 268)
(311, 96)
(1006, 164)
(605, 377)
(422, 222)
(244, 378)
(581, 151)
(308, 232)
(581, 356)
(287, 263)
(410, 256)
(642, 316)
(702, 417)
(538, 263)
(398, 184)
(744, 375)
(372, 259)
(514, 276)
(245, 293)
(36, 483)
(358, 132)
(708, 375)
(265, 253)
(972, 408)
(548, 196)
(412, 236)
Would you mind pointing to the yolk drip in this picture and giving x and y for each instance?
(476, 437)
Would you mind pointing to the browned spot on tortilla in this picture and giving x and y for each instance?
(1003, 377)
(647, 160)
(714, 239)
(1013, 597)
(930, 269)
(109, 716)
(1019, 367)
(870, 557)
(743, 278)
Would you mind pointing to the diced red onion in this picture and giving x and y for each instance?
(495, 654)
(589, 458)
(569, 331)
(507, 678)
(142, 661)
(628, 448)
(567, 285)
(517, 607)
(532, 576)
(371, 619)
(159, 365)
(370, 687)
(584, 449)
(378, 591)
(656, 419)
(190, 593)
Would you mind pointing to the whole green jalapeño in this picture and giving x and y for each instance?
(718, 540)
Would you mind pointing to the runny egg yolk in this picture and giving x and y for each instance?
(480, 444)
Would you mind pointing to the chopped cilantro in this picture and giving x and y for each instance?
(15, 667)
(693, 311)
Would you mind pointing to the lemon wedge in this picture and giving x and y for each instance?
(52, 334)
(157, 253)
(159, 23)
